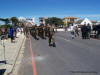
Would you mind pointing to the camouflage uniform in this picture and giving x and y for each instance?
(26, 30)
(34, 32)
(51, 36)
(44, 32)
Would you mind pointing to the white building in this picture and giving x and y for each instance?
(86, 21)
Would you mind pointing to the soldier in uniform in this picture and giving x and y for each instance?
(51, 36)
(26, 30)
(44, 32)
(34, 32)
(41, 31)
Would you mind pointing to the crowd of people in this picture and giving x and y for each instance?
(43, 32)
(10, 32)
(47, 31)
(85, 31)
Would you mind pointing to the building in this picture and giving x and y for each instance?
(32, 21)
(42, 20)
(27, 21)
(22, 19)
(69, 20)
(86, 21)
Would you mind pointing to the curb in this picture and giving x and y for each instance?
(16, 58)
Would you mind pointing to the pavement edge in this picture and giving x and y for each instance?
(23, 41)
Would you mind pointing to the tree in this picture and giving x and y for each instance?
(1, 19)
(14, 21)
(7, 21)
(56, 21)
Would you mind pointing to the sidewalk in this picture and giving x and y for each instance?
(11, 53)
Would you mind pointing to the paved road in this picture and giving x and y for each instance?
(70, 57)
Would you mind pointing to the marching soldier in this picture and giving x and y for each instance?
(41, 31)
(26, 30)
(34, 32)
(44, 32)
(51, 36)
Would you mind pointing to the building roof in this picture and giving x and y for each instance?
(70, 17)
(86, 20)
(94, 21)
(79, 21)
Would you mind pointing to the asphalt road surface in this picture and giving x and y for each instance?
(70, 57)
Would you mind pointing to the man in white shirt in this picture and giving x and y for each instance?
(72, 31)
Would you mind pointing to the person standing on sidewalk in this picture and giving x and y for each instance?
(11, 34)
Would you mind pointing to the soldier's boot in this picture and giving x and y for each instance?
(44, 37)
(37, 33)
(54, 45)
(37, 38)
(53, 41)
(50, 42)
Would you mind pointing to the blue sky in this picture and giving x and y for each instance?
(58, 8)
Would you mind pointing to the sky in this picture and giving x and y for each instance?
(49, 8)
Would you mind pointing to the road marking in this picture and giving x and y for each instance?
(33, 60)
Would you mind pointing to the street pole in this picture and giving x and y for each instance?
(3, 45)
(4, 52)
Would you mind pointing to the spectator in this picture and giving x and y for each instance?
(84, 31)
(72, 31)
(11, 34)
(76, 31)
(98, 31)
